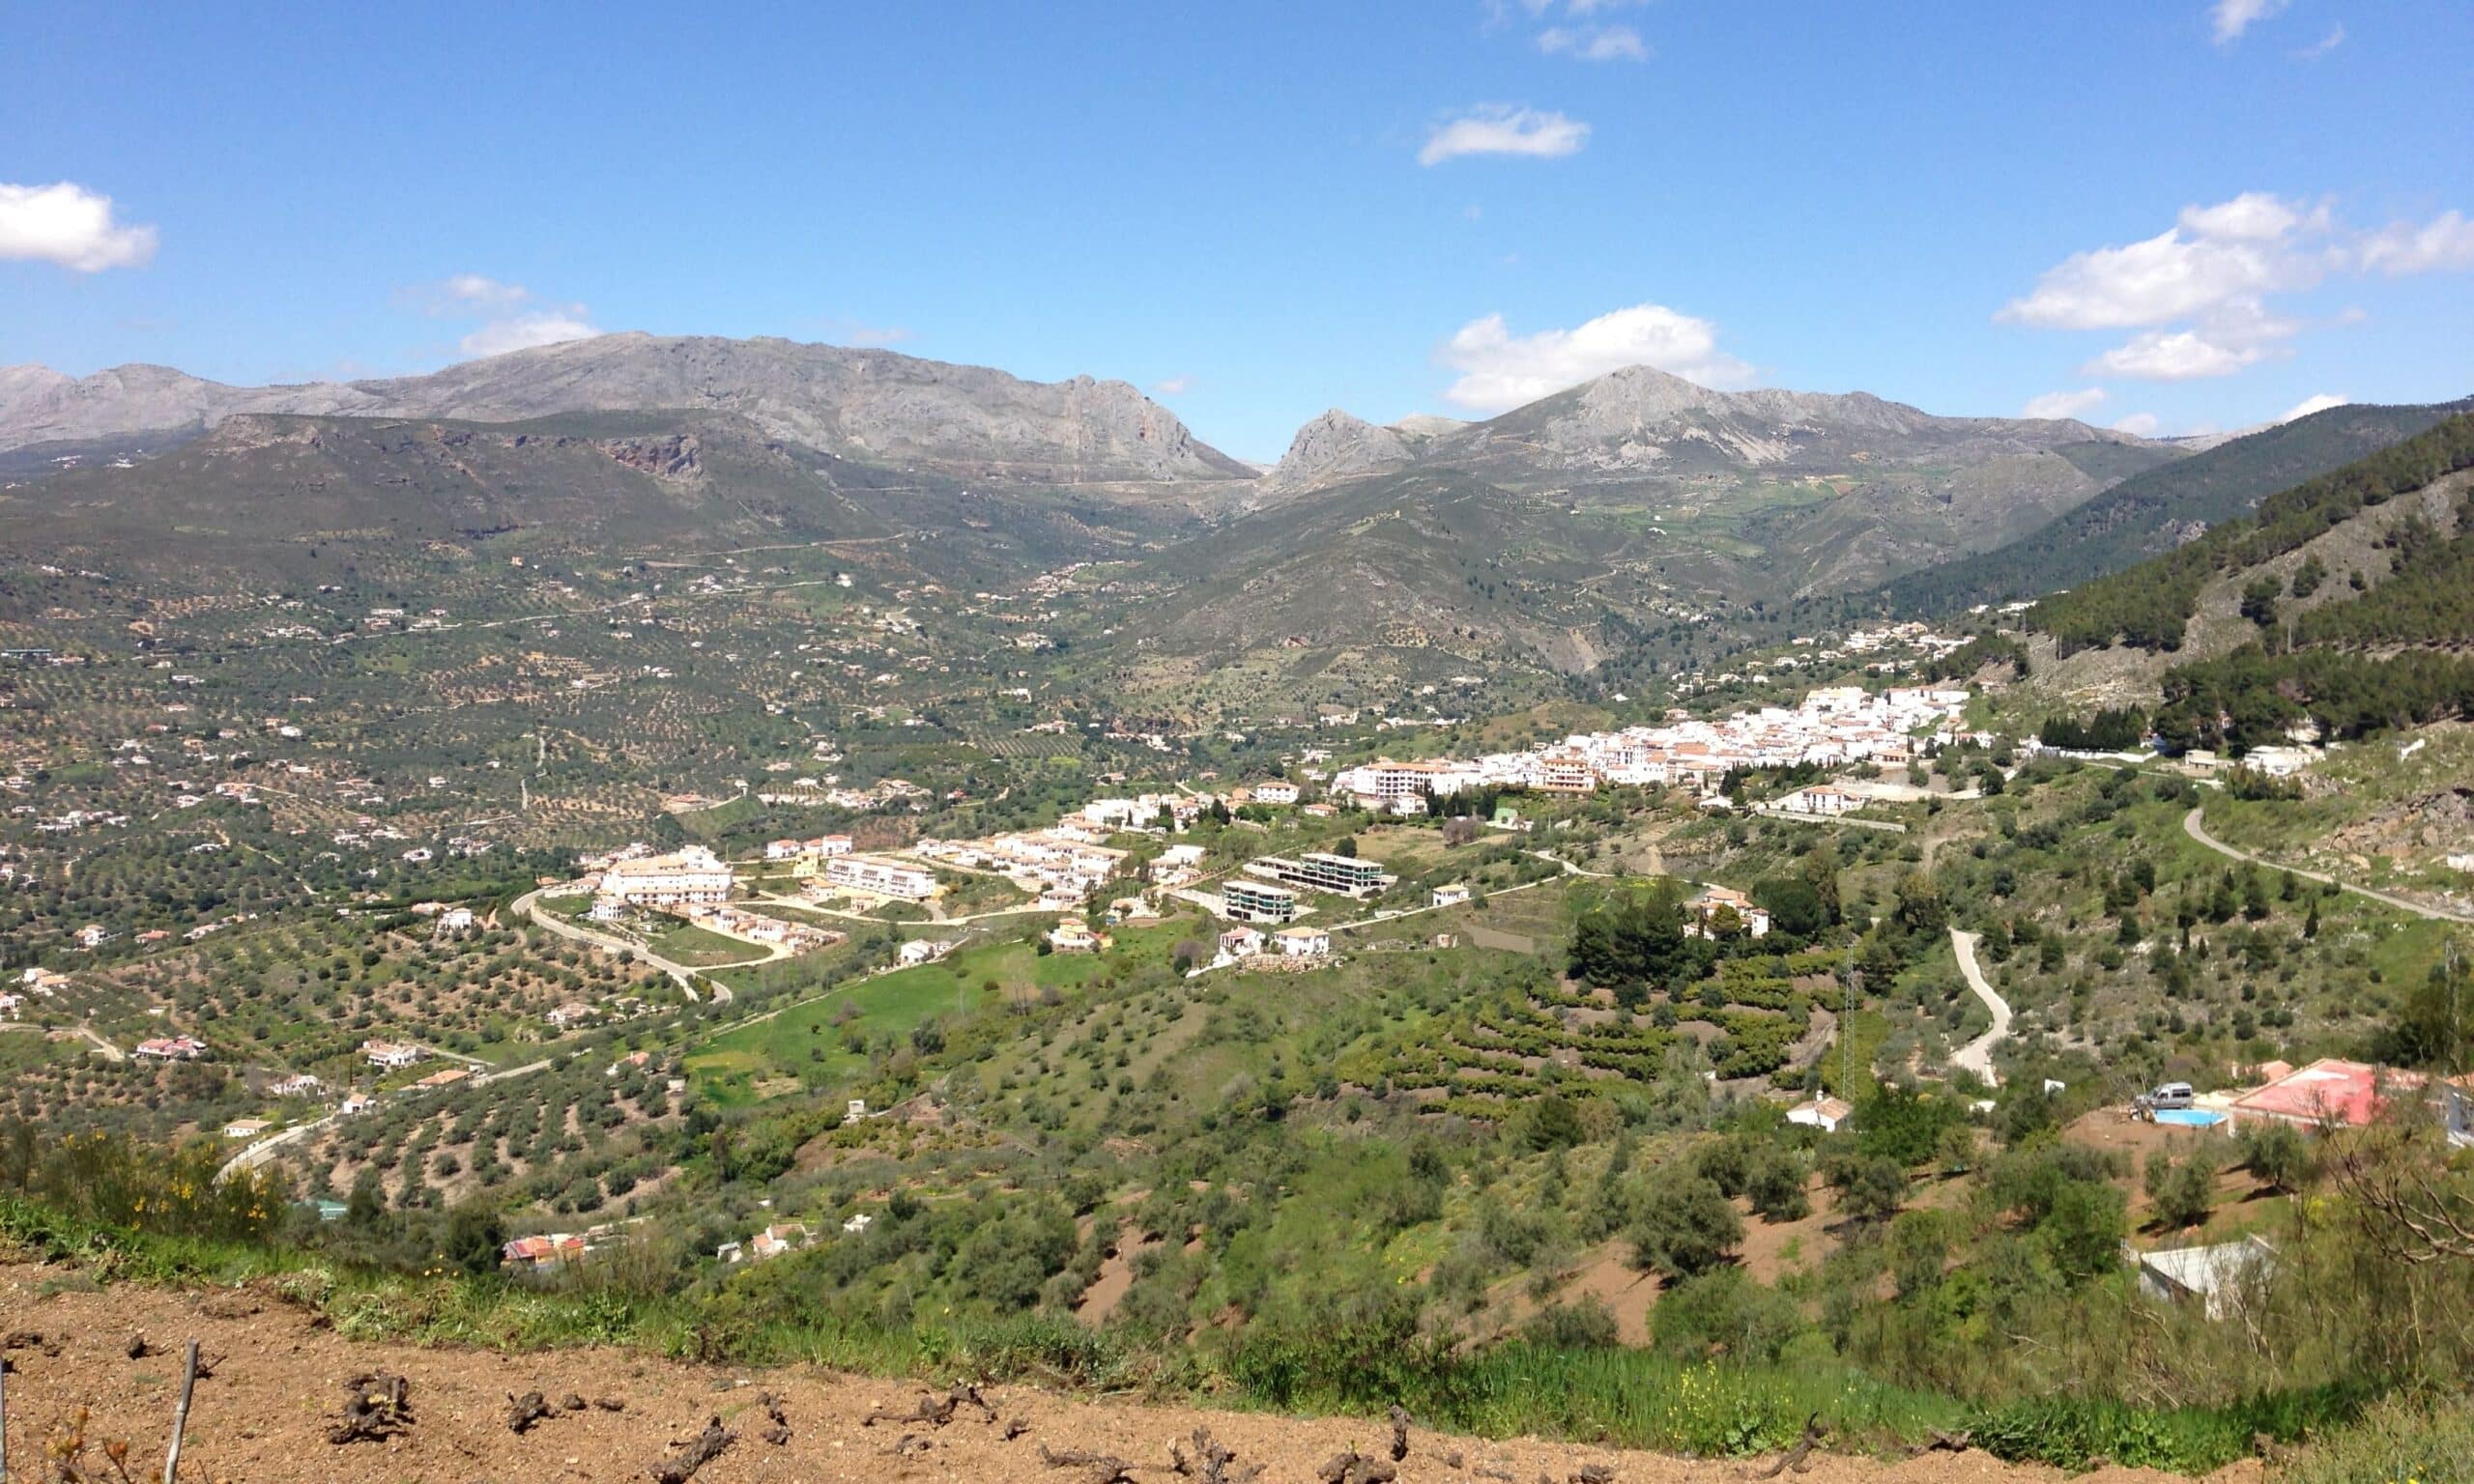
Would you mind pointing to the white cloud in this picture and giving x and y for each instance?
(1594, 43)
(483, 293)
(2233, 17)
(2253, 216)
(1500, 370)
(524, 331)
(2445, 242)
(70, 225)
(2335, 38)
(2309, 404)
(1500, 128)
(2063, 404)
(2137, 424)
(1172, 385)
(2166, 278)
(512, 316)
(2199, 292)
(2181, 356)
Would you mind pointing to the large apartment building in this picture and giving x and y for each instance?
(886, 879)
(1318, 871)
(694, 876)
(1390, 784)
(1257, 901)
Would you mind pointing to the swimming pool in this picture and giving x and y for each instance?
(2190, 1118)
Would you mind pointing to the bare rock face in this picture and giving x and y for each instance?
(1336, 446)
(676, 457)
(862, 403)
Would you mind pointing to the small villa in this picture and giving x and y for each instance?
(1075, 936)
(1826, 1113)
(1302, 942)
(1710, 909)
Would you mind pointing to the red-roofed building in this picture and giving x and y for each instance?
(2328, 1090)
(541, 1253)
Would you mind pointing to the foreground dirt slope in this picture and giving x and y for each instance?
(263, 1415)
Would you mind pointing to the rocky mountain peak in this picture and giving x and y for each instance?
(1336, 446)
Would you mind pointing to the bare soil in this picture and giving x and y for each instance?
(265, 1415)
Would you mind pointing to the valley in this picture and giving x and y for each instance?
(1475, 900)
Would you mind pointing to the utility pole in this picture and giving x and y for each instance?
(1847, 1027)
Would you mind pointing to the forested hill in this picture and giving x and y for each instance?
(2150, 606)
(2346, 602)
(2152, 511)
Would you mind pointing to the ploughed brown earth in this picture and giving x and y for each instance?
(280, 1390)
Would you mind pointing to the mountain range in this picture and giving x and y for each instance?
(1558, 535)
(861, 404)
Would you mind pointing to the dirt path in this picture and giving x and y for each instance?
(263, 1417)
(1977, 1055)
(2192, 827)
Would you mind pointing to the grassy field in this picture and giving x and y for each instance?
(829, 1038)
(700, 949)
(813, 1042)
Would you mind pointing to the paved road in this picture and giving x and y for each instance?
(1977, 1055)
(2192, 827)
(525, 906)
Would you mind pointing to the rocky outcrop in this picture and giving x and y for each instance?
(674, 457)
(1332, 447)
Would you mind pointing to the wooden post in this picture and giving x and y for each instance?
(181, 1415)
(3, 1424)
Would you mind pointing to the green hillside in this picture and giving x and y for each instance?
(2342, 603)
(2149, 606)
(2152, 510)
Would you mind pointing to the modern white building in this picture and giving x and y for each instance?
(690, 877)
(1257, 901)
(1318, 871)
(884, 878)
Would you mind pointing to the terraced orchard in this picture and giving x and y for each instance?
(1760, 1017)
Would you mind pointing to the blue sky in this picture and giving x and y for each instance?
(2202, 212)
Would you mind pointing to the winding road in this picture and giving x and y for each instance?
(526, 906)
(267, 1148)
(1977, 1055)
(2192, 827)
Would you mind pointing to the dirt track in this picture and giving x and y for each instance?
(263, 1417)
